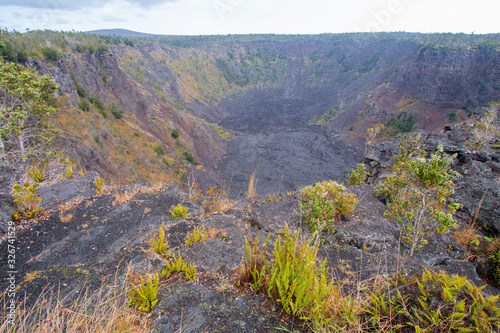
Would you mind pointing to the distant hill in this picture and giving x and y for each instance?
(119, 32)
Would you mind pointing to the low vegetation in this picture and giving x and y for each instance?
(419, 192)
(105, 311)
(324, 203)
(485, 131)
(180, 212)
(159, 244)
(27, 200)
(179, 265)
(358, 176)
(431, 302)
(198, 235)
(144, 296)
(213, 201)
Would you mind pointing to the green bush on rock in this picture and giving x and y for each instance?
(325, 202)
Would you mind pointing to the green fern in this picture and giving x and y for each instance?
(298, 282)
(198, 235)
(180, 212)
(178, 265)
(253, 268)
(144, 296)
(190, 272)
(99, 182)
(37, 174)
(160, 245)
(433, 302)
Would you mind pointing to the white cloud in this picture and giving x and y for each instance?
(62, 21)
(75, 4)
(253, 16)
(110, 18)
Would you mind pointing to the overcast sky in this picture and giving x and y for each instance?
(194, 17)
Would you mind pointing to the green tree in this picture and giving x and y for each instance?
(51, 53)
(102, 48)
(24, 110)
(372, 132)
(22, 56)
(418, 192)
(485, 130)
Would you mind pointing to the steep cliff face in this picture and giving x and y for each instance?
(455, 77)
(282, 96)
(127, 136)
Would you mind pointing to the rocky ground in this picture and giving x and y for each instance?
(275, 141)
(83, 240)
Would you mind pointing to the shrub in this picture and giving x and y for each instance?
(22, 56)
(84, 105)
(371, 133)
(494, 269)
(102, 48)
(51, 53)
(27, 200)
(325, 202)
(25, 108)
(418, 192)
(80, 48)
(97, 102)
(358, 176)
(175, 134)
(189, 158)
(159, 150)
(452, 116)
(81, 91)
(435, 302)
(485, 130)
(116, 112)
(180, 212)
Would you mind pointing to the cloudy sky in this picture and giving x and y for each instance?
(194, 17)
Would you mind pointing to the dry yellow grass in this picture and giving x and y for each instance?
(66, 218)
(466, 236)
(252, 185)
(106, 311)
(122, 196)
(32, 276)
(223, 205)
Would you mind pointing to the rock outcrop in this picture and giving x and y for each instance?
(479, 187)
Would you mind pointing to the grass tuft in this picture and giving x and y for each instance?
(102, 311)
